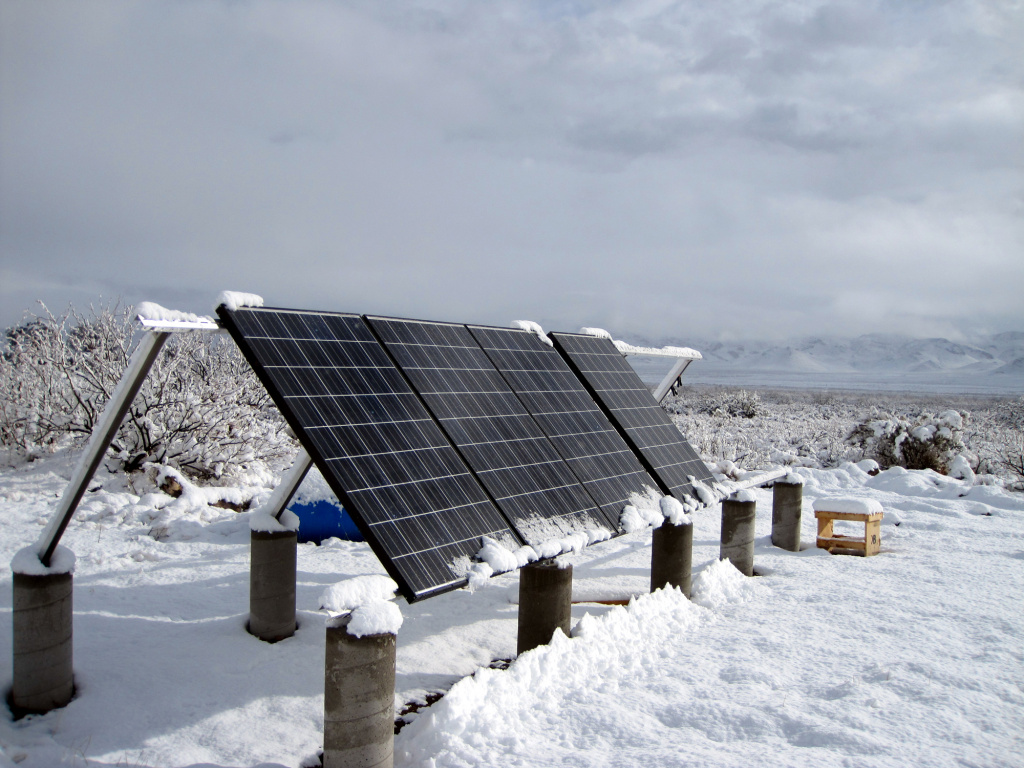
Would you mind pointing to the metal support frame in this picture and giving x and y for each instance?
(671, 380)
(102, 435)
(289, 484)
(156, 334)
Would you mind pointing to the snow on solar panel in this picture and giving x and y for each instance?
(576, 426)
(491, 428)
(631, 406)
(405, 486)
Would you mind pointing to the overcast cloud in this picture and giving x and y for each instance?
(709, 169)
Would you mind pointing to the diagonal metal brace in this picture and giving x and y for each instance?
(102, 435)
(289, 484)
(671, 379)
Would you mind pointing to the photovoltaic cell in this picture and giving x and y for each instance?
(382, 454)
(568, 415)
(632, 407)
(498, 438)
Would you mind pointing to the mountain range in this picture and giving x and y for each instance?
(990, 364)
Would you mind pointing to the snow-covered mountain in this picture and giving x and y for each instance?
(990, 364)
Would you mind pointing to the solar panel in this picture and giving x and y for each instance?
(633, 409)
(490, 427)
(405, 486)
(576, 426)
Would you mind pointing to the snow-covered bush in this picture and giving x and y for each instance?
(927, 442)
(721, 402)
(811, 428)
(201, 409)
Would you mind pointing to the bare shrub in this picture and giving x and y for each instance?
(719, 402)
(201, 409)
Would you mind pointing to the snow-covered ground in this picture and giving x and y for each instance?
(912, 657)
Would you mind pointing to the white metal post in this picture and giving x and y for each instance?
(671, 378)
(102, 435)
(289, 484)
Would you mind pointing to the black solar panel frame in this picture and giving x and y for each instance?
(490, 426)
(631, 407)
(611, 486)
(412, 585)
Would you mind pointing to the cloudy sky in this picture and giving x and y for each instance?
(728, 169)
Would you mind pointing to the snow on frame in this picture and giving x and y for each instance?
(534, 328)
(685, 353)
(237, 300)
(148, 310)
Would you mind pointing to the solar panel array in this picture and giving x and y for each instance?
(568, 415)
(632, 407)
(490, 427)
(376, 445)
(434, 435)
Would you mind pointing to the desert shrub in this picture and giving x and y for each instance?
(201, 409)
(812, 428)
(927, 442)
(1009, 454)
(718, 402)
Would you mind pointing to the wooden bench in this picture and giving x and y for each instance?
(866, 511)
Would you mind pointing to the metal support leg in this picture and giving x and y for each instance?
(671, 378)
(102, 435)
(289, 485)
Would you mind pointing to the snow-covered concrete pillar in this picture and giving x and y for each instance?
(738, 512)
(359, 698)
(787, 504)
(545, 602)
(272, 565)
(672, 556)
(42, 640)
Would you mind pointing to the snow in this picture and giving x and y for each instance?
(600, 333)
(673, 511)
(792, 478)
(634, 519)
(261, 520)
(351, 593)
(743, 495)
(848, 505)
(960, 468)
(236, 300)
(532, 327)
(147, 310)
(27, 563)
(375, 618)
(706, 496)
(680, 352)
(313, 489)
(868, 465)
(926, 667)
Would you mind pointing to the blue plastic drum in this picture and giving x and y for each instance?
(319, 520)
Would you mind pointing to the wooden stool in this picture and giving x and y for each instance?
(866, 511)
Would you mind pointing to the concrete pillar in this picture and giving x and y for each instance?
(545, 603)
(738, 534)
(787, 503)
(43, 671)
(359, 699)
(272, 565)
(672, 556)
